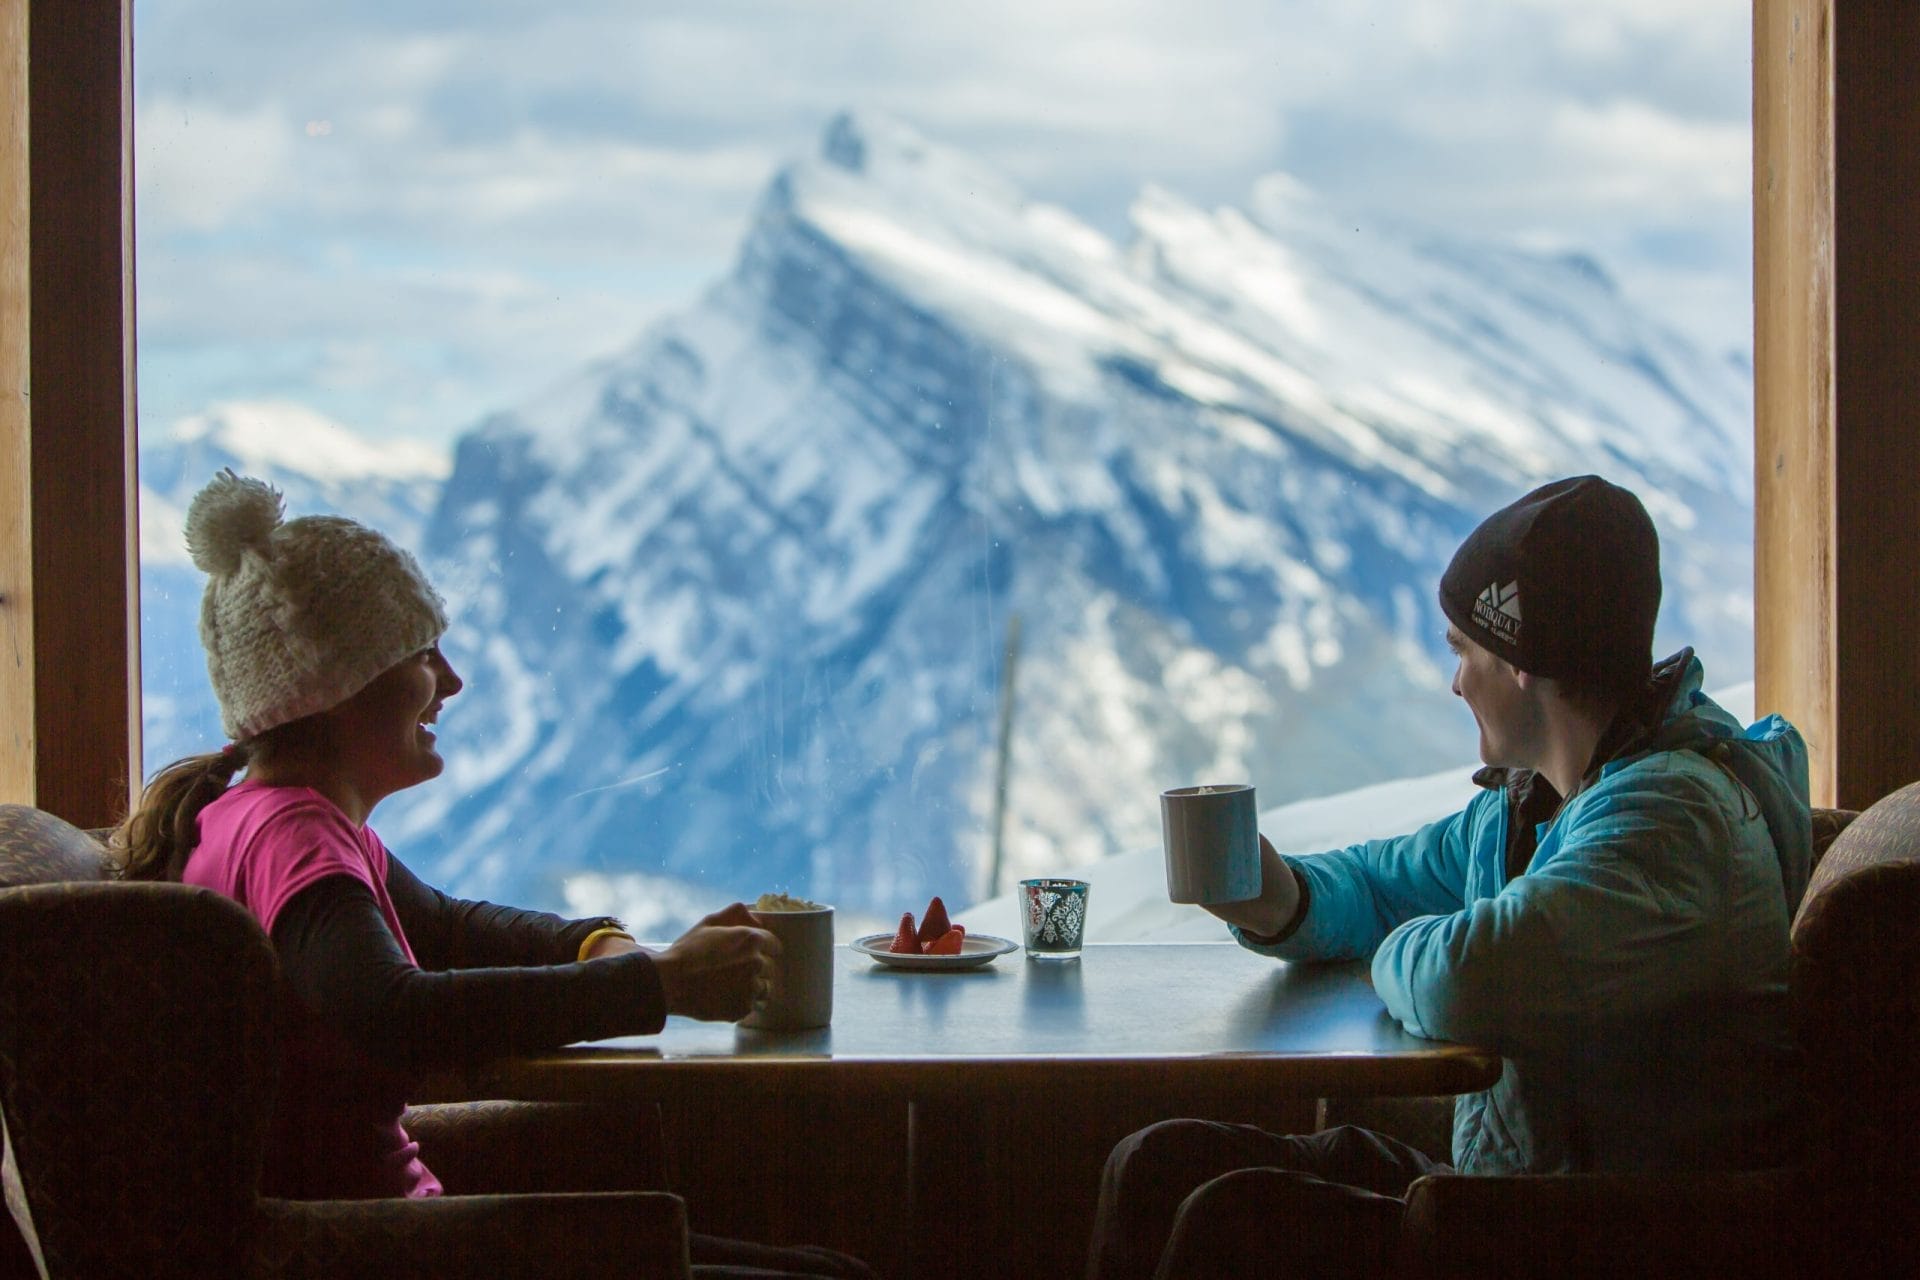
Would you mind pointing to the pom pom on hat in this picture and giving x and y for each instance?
(232, 515)
(298, 615)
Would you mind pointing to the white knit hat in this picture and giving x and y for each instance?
(298, 616)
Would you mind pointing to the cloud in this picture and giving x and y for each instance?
(206, 168)
(497, 172)
(391, 348)
(1088, 97)
(1643, 158)
(559, 197)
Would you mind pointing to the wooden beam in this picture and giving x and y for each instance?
(1876, 394)
(75, 530)
(1836, 275)
(17, 743)
(1793, 372)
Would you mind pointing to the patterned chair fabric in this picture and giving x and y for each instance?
(139, 1029)
(513, 1237)
(1604, 1227)
(1827, 826)
(19, 1247)
(494, 1147)
(1856, 995)
(38, 848)
(137, 1036)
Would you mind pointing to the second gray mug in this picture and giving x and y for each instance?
(1212, 842)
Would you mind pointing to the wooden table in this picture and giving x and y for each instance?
(1127, 1030)
(1211, 1016)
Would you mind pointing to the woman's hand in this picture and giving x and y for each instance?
(715, 969)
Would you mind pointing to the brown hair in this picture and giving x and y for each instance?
(155, 840)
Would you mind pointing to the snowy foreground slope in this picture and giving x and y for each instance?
(734, 604)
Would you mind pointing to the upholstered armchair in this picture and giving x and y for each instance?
(139, 1030)
(1843, 1209)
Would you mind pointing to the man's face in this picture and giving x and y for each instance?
(1503, 705)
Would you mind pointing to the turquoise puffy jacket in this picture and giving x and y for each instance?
(1634, 977)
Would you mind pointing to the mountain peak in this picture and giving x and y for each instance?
(845, 143)
(870, 158)
(851, 138)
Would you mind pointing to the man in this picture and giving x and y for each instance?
(1610, 913)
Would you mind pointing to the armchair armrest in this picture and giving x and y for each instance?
(481, 1148)
(1568, 1226)
(519, 1237)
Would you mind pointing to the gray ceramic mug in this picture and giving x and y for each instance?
(802, 993)
(1212, 838)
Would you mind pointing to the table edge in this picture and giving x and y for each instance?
(589, 1073)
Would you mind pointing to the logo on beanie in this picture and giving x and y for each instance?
(1498, 610)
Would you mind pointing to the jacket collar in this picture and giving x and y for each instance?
(1532, 801)
(1634, 730)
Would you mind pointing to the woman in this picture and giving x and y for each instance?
(322, 643)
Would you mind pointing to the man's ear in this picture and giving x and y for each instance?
(1524, 679)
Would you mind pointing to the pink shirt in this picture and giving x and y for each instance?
(337, 1131)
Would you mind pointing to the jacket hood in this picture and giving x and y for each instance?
(1768, 758)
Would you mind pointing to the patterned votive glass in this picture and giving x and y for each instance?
(1053, 917)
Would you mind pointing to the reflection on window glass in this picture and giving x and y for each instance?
(871, 450)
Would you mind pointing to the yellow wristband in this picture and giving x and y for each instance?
(586, 943)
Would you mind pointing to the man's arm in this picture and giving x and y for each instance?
(1652, 901)
(1340, 905)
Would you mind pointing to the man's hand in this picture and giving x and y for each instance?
(715, 969)
(1279, 897)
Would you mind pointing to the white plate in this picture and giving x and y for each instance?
(975, 949)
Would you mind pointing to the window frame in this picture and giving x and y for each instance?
(69, 545)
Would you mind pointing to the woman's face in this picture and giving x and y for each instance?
(380, 734)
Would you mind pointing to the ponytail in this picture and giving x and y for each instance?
(155, 840)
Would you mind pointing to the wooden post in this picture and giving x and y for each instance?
(16, 470)
(1836, 296)
(67, 444)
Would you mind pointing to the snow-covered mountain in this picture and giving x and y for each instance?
(734, 605)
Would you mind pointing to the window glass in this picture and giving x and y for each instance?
(871, 450)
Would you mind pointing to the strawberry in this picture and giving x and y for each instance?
(934, 924)
(905, 939)
(948, 943)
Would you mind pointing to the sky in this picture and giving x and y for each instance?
(405, 216)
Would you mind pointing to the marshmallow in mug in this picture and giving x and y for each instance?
(784, 902)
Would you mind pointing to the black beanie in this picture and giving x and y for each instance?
(1564, 583)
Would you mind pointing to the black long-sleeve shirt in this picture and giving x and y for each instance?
(491, 980)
